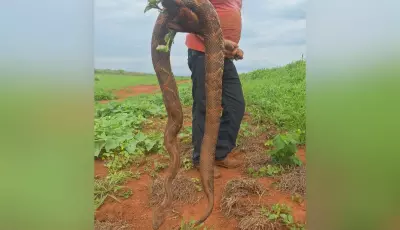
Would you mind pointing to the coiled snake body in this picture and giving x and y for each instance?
(199, 17)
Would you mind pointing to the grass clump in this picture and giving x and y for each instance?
(111, 186)
(258, 221)
(256, 160)
(265, 171)
(184, 190)
(277, 217)
(98, 225)
(234, 202)
(294, 181)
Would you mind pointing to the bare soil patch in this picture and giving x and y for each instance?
(137, 90)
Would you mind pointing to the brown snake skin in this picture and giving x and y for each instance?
(199, 17)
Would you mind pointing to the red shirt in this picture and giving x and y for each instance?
(230, 17)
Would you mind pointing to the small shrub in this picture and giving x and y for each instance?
(281, 213)
(102, 94)
(284, 149)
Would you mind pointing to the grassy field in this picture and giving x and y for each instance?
(131, 159)
(107, 82)
(117, 81)
(277, 96)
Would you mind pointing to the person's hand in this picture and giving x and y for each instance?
(232, 51)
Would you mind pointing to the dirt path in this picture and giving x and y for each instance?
(137, 90)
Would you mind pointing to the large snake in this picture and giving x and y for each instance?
(197, 17)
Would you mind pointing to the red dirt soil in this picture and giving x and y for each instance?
(137, 90)
(137, 212)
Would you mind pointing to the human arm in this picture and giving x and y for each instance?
(231, 49)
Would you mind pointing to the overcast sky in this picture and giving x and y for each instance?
(273, 34)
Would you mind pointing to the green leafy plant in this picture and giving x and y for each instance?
(118, 162)
(122, 153)
(152, 4)
(153, 174)
(281, 213)
(186, 134)
(301, 136)
(160, 166)
(169, 37)
(265, 171)
(185, 94)
(118, 136)
(187, 163)
(125, 192)
(190, 225)
(284, 149)
(102, 94)
(169, 40)
(111, 186)
(244, 132)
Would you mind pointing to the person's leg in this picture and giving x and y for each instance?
(194, 68)
(233, 111)
(232, 102)
(196, 65)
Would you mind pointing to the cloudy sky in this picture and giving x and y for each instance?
(273, 34)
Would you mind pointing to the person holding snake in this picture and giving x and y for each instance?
(233, 104)
(214, 28)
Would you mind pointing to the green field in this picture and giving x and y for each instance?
(118, 81)
(129, 140)
(277, 95)
(106, 82)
